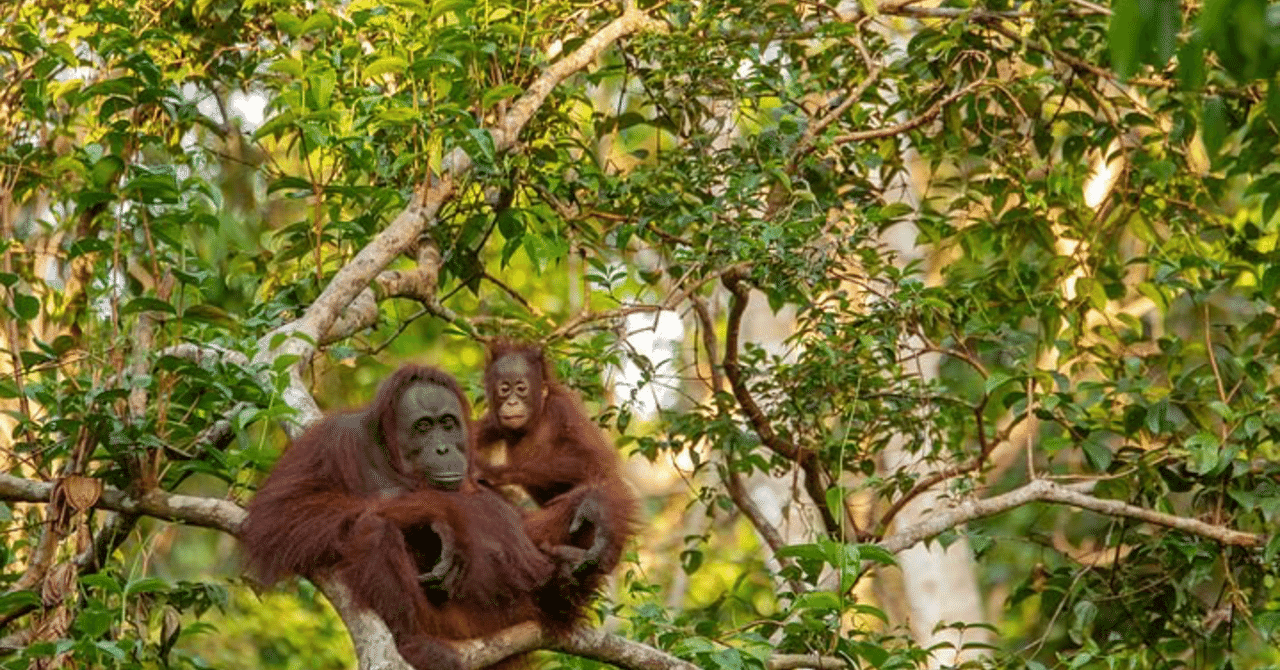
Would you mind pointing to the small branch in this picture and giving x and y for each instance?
(798, 661)
(598, 645)
(201, 354)
(911, 124)
(708, 328)
(581, 321)
(852, 97)
(987, 446)
(903, 8)
(1047, 491)
(733, 371)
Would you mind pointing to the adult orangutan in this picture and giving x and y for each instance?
(559, 457)
(382, 496)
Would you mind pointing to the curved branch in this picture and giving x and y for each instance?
(1047, 491)
(806, 459)
(733, 371)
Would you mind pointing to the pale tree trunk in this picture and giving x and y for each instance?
(938, 584)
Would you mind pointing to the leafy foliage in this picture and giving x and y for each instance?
(1005, 242)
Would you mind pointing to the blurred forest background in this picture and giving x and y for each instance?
(934, 333)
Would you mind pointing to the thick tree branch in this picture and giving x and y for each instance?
(214, 513)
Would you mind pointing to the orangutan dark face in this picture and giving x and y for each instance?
(432, 434)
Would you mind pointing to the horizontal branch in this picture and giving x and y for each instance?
(1043, 490)
(201, 511)
(798, 661)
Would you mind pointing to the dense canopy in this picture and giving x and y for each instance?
(931, 332)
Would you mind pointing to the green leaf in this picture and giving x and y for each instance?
(1205, 452)
(25, 306)
(320, 21)
(148, 305)
(994, 381)
(483, 143)
(14, 599)
(105, 172)
(441, 7)
(290, 24)
(1214, 113)
(1164, 22)
(821, 601)
(385, 65)
(730, 659)
(876, 554)
(690, 560)
(322, 84)
(397, 115)
(146, 585)
(1097, 452)
(510, 223)
(1124, 36)
(497, 93)
(110, 648)
(290, 66)
(102, 581)
(93, 623)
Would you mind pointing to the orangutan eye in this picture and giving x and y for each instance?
(422, 425)
(448, 422)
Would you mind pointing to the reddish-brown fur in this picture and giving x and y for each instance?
(340, 499)
(560, 459)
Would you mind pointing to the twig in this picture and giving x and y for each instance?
(911, 124)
